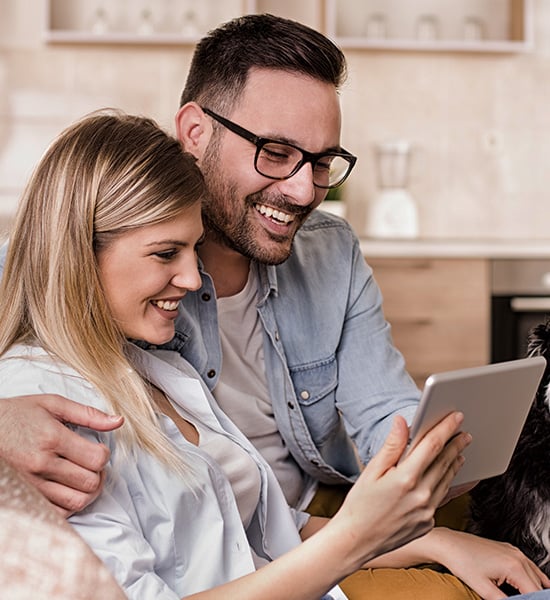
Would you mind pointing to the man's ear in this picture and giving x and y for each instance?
(194, 129)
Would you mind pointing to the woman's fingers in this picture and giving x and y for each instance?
(392, 449)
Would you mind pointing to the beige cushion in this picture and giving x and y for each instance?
(41, 556)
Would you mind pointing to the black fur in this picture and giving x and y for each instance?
(515, 507)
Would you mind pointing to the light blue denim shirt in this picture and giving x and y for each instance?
(332, 369)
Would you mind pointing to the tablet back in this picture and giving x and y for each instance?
(495, 400)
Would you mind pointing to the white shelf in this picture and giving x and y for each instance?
(434, 46)
(141, 22)
(68, 36)
(504, 25)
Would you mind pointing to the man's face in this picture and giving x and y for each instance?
(247, 212)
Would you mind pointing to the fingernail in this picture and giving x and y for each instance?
(459, 417)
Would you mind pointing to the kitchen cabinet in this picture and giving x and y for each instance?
(439, 311)
(135, 21)
(173, 22)
(441, 25)
(469, 25)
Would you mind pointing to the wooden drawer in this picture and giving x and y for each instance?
(438, 310)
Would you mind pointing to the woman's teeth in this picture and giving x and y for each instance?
(166, 304)
(272, 213)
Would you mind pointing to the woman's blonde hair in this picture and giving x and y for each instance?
(106, 174)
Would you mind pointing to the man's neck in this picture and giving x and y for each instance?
(228, 268)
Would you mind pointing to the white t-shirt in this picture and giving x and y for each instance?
(242, 390)
(239, 468)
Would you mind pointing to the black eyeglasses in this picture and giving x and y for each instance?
(279, 160)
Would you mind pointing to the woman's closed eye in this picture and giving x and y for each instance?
(167, 254)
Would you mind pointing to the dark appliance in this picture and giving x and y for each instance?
(520, 299)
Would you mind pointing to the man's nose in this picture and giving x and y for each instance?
(299, 187)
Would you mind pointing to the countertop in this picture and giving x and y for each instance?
(455, 248)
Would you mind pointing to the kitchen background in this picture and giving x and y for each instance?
(479, 121)
(466, 84)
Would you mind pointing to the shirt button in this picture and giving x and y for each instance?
(315, 462)
(304, 395)
(211, 373)
(277, 337)
(290, 405)
(206, 296)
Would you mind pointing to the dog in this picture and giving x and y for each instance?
(515, 507)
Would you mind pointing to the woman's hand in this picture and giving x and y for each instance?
(391, 503)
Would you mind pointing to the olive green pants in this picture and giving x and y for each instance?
(422, 583)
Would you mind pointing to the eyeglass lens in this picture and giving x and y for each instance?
(281, 161)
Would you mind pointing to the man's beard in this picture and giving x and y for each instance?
(227, 221)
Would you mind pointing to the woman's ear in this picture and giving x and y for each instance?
(194, 129)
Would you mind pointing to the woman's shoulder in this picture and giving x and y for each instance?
(27, 369)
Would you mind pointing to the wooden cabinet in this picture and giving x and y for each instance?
(473, 25)
(438, 310)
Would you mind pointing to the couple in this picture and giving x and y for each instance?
(104, 255)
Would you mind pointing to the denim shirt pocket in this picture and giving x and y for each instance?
(315, 388)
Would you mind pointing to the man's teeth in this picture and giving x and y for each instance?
(166, 304)
(273, 213)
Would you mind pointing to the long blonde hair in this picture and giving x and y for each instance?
(106, 174)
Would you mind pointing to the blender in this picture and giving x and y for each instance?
(392, 212)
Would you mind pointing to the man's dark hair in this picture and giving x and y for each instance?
(224, 57)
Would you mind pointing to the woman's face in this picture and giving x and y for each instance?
(147, 271)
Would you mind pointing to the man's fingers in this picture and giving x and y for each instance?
(69, 411)
(73, 475)
(66, 500)
(86, 455)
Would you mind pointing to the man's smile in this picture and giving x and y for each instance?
(275, 214)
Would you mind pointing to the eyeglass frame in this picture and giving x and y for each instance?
(260, 142)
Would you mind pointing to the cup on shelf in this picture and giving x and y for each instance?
(473, 29)
(190, 23)
(376, 26)
(427, 28)
(100, 21)
(146, 23)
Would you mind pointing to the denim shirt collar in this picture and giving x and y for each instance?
(267, 275)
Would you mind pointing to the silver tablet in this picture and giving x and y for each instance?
(495, 400)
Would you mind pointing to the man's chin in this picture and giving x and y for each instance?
(270, 256)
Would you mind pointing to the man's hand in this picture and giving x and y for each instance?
(64, 466)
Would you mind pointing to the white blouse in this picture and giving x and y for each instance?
(160, 537)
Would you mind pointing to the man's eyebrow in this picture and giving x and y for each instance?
(292, 142)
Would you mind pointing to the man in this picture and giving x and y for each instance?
(287, 328)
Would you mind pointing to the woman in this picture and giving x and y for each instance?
(102, 251)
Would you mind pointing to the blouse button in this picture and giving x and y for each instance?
(211, 373)
(304, 395)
